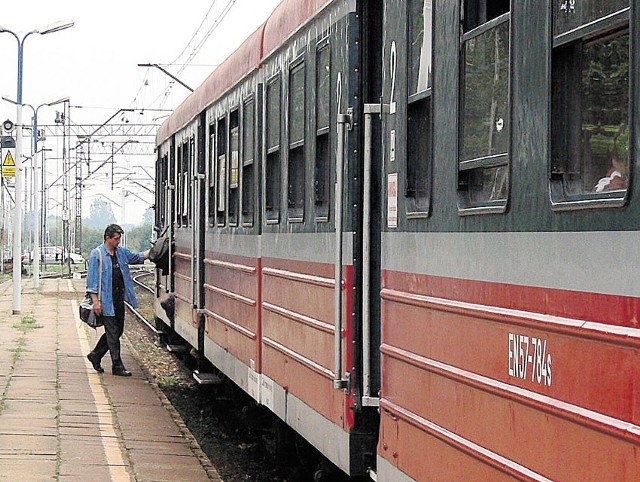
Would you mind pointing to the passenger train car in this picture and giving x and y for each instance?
(409, 229)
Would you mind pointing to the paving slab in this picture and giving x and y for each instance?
(60, 420)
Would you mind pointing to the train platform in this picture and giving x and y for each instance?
(61, 420)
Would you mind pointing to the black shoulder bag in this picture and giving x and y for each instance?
(86, 305)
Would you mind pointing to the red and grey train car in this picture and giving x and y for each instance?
(410, 230)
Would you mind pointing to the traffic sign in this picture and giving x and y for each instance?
(9, 164)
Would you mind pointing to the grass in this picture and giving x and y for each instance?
(28, 323)
(167, 380)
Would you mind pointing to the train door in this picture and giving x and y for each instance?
(371, 87)
(405, 190)
(198, 233)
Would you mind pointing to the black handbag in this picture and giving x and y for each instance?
(160, 254)
(86, 305)
(87, 314)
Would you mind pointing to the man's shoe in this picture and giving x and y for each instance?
(95, 362)
(120, 372)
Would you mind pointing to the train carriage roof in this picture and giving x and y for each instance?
(285, 20)
(244, 60)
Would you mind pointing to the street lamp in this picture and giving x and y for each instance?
(17, 218)
(36, 188)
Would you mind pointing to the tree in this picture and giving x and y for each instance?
(91, 237)
(101, 214)
(138, 238)
(148, 217)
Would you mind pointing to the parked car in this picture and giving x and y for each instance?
(55, 254)
(8, 261)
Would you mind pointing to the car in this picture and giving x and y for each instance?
(54, 254)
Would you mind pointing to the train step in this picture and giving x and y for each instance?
(179, 349)
(207, 378)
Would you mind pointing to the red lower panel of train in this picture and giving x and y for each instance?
(478, 386)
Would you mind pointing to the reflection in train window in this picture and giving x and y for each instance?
(484, 117)
(221, 201)
(234, 168)
(322, 170)
(212, 175)
(590, 103)
(248, 146)
(420, 74)
(295, 178)
(272, 168)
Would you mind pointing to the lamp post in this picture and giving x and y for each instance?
(36, 188)
(17, 218)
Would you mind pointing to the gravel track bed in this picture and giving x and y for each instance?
(209, 413)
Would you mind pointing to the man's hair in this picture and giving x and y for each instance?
(112, 230)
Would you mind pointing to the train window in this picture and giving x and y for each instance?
(272, 168)
(234, 168)
(420, 46)
(221, 204)
(212, 174)
(184, 175)
(189, 190)
(172, 181)
(484, 117)
(179, 185)
(590, 104)
(296, 141)
(185, 184)
(419, 76)
(248, 155)
(161, 176)
(322, 170)
(479, 12)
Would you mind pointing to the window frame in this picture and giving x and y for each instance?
(233, 188)
(465, 167)
(297, 146)
(612, 24)
(221, 177)
(273, 187)
(247, 194)
(423, 100)
(212, 172)
(322, 136)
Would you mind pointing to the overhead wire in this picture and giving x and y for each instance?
(162, 98)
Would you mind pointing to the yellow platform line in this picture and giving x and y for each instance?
(108, 436)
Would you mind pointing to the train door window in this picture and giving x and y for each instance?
(590, 115)
(272, 174)
(295, 178)
(234, 167)
(483, 170)
(322, 170)
(221, 201)
(419, 76)
(248, 156)
(212, 175)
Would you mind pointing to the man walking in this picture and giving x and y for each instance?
(110, 285)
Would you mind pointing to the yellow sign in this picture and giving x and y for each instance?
(9, 165)
(8, 160)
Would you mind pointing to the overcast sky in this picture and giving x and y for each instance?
(95, 61)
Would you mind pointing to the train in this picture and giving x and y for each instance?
(408, 230)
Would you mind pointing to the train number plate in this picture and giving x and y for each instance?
(529, 359)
